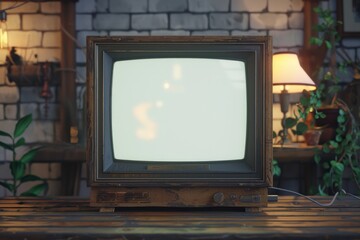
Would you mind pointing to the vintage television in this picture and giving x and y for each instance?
(179, 121)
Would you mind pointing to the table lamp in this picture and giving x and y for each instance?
(288, 77)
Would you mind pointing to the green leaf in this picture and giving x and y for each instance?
(338, 138)
(17, 169)
(328, 44)
(334, 144)
(301, 128)
(35, 190)
(321, 191)
(341, 119)
(337, 166)
(326, 148)
(29, 156)
(290, 122)
(30, 178)
(20, 142)
(22, 125)
(304, 101)
(274, 134)
(276, 170)
(8, 186)
(5, 134)
(6, 146)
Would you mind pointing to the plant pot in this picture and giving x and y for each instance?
(312, 137)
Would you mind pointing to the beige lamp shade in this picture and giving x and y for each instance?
(289, 75)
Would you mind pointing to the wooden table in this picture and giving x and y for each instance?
(69, 218)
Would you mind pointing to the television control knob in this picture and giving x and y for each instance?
(219, 197)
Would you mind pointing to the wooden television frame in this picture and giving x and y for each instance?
(244, 188)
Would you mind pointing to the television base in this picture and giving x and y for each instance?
(111, 197)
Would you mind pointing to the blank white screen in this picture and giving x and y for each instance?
(179, 109)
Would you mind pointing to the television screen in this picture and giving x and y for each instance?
(179, 121)
(178, 109)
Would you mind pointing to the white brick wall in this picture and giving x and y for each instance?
(86, 6)
(11, 111)
(111, 21)
(50, 7)
(229, 21)
(188, 21)
(209, 6)
(30, 7)
(33, 28)
(149, 21)
(268, 21)
(287, 39)
(168, 5)
(13, 22)
(124, 6)
(249, 5)
(25, 39)
(9, 94)
(285, 5)
(41, 22)
(83, 22)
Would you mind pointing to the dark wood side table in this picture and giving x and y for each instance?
(302, 155)
(71, 157)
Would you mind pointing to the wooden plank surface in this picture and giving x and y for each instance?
(72, 218)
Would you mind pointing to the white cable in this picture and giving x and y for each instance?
(309, 198)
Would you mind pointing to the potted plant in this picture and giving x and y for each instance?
(324, 110)
(340, 137)
(13, 142)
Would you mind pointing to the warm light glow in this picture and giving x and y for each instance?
(288, 73)
(3, 35)
(147, 128)
(166, 85)
(177, 71)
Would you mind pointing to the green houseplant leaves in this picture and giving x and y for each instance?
(19, 164)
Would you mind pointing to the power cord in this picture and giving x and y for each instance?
(313, 200)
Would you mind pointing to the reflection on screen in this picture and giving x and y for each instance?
(179, 109)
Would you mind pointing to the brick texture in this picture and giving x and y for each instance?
(83, 22)
(286, 5)
(41, 22)
(9, 95)
(188, 21)
(11, 111)
(51, 39)
(229, 21)
(296, 20)
(128, 6)
(268, 21)
(168, 5)
(50, 7)
(209, 5)
(25, 38)
(111, 21)
(86, 6)
(13, 22)
(149, 21)
(289, 38)
(248, 5)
